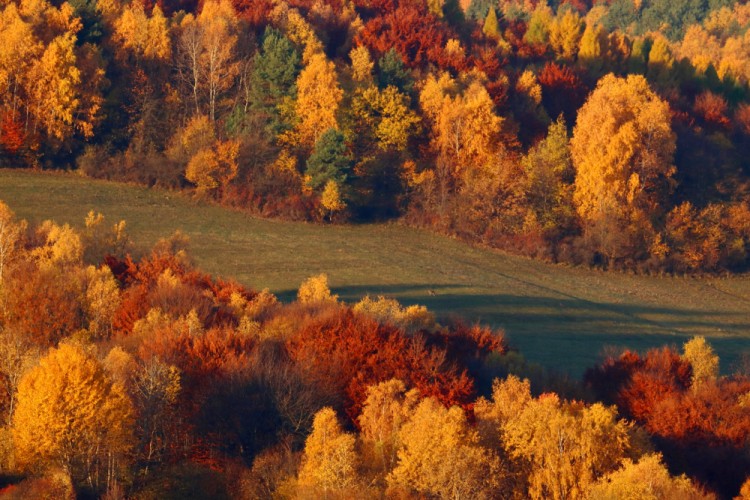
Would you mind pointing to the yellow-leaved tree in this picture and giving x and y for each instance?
(556, 449)
(219, 65)
(700, 47)
(509, 398)
(329, 463)
(102, 300)
(198, 134)
(476, 181)
(11, 232)
(330, 199)
(702, 359)
(17, 354)
(622, 149)
(385, 411)
(549, 177)
(386, 115)
(745, 490)
(146, 37)
(54, 96)
(465, 128)
(212, 169)
(397, 121)
(62, 246)
(592, 53)
(314, 290)
(206, 55)
(156, 388)
(100, 240)
(565, 34)
(661, 63)
(298, 30)
(466, 137)
(71, 415)
(441, 456)
(318, 98)
(388, 311)
(362, 65)
(50, 82)
(648, 478)
(20, 49)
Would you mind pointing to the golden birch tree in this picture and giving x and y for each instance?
(218, 59)
(465, 128)
(622, 150)
(329, 463)
(702, 359)
(71, 415)
(17, 355)
(441, 456)
(318, 99)
(567, 446)
(212, 170)
(385, 411)
(102, 300)
(362, 65)
(565, 34)
(11, 232)
(20, 49)
(53, 99)
(146, 37)
(646, 479)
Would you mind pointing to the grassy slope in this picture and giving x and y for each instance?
(561, 317)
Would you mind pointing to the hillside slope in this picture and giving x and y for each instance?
(558, 316)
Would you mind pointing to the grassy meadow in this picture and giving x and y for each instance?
(558, 316)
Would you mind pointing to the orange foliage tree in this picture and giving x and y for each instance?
(701, 432)
(346, 353)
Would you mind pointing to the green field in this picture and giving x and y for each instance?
(559, 316)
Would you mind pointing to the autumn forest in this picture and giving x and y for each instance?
(612, 135)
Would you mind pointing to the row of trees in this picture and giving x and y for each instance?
(489, 122)
(144, 377)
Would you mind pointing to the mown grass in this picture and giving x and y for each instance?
(558, 316)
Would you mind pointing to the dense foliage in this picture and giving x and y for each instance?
(142, 377)
(613, 134)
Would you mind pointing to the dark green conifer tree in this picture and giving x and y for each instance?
(330, 160)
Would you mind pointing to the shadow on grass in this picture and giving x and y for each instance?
(570, 334)
(404, 293)
(534, 312)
